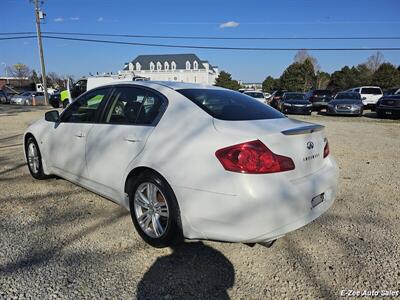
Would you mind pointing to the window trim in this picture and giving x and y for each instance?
(101, 106)
(107, 107)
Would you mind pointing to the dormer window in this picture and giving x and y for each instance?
(195, 65)
(166, 66)
(173, 66)
(159, 66)
(138, 66)
(188, 65)
(152, 66)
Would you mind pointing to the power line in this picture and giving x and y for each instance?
(208, 47)
(209, 37)
(222, 48)
(18, 37)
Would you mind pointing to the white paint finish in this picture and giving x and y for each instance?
(214, 203)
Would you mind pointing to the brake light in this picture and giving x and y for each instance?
(326, 149)
(253, 158)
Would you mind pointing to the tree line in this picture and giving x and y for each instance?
(23, 73)
(305, 74)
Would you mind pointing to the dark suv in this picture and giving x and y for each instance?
(4, 97)
(319, 98)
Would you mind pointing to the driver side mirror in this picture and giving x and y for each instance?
(52, 116)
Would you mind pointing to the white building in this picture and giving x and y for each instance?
(173, 67)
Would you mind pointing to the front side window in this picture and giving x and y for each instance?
(134, 106)
(229, 105)
(86, 108)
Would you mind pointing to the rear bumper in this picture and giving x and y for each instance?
(267, 207)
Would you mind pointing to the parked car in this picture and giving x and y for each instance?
(393, 91)
(26, 98)
(4, 97)
(319, 98)
(256, 95)
(242, 172)
(369, 95)
(388, 107)
(275, 97)
(295, 103)
(345, 103)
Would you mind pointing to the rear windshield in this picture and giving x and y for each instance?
(348, 96)
(255, 94)
(371, 91)
(229, 105)
(323, 93)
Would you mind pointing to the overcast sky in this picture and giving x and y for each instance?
(287, 18)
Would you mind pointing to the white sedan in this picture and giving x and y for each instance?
(189, 161)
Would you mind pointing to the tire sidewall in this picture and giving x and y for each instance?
(173, 233)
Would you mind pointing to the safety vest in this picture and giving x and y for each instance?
(64, 96)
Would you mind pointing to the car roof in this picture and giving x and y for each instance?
(169, 84)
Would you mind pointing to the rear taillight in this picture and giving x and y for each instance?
(326, 149)
(253, 158)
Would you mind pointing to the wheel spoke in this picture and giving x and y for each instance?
(157, 228)
(141, 200)
(144, 217)
(162, 210)
(152, 192)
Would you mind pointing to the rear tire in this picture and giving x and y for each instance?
(34, 159)
(154, 210)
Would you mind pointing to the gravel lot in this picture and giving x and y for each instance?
(61, 241)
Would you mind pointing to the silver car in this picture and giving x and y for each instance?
(26, 98)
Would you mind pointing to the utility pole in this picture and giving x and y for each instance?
(38, 16)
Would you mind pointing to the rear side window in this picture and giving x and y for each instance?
(371, 91)
(134, 106)
(229, 105)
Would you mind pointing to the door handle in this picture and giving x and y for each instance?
(79, 135)
(131, 139)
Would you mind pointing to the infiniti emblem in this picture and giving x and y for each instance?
(310, 145)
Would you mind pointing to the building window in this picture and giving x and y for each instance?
(159, 66)
(138, 66)
(151, 66)
(195, 65)
(188, 65)
(166, 66)
(173, 66)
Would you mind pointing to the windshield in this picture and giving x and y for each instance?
(371, 91)
(229, 105)
(355, 96)
(294, 96)
(255, 94)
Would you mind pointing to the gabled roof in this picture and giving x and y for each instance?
(179, 59)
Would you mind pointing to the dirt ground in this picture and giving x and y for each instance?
(61, 241)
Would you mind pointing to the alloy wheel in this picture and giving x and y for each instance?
(151, 209)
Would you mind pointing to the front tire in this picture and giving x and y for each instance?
(34, 159)
(154, 210)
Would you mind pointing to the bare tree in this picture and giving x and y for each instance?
(301, 57)
(19, 70)
(375, 61)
